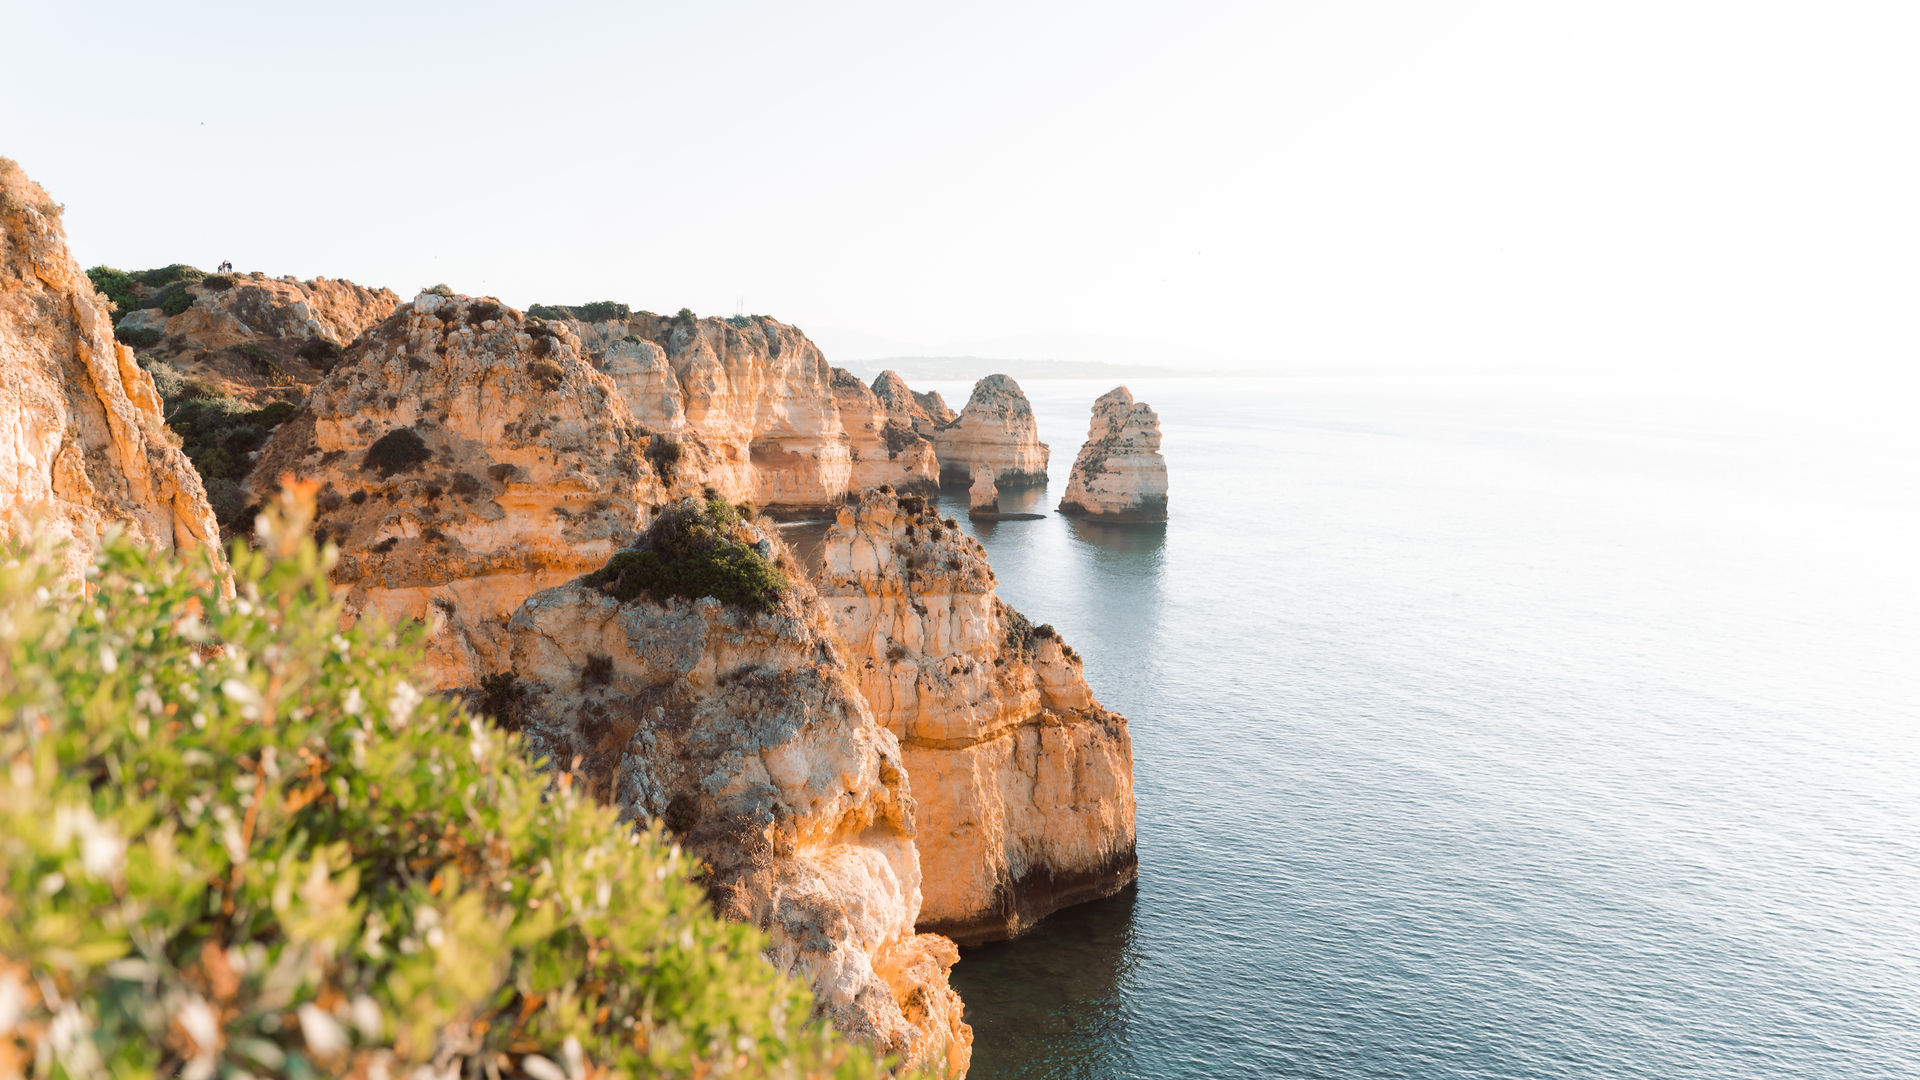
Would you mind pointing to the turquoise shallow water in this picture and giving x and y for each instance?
(1489, 728)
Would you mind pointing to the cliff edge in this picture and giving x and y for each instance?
(82, 441)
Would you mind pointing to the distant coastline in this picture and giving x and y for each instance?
(947, 368)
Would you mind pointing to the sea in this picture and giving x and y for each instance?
(1488, 726)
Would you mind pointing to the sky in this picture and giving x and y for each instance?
(1275, 187)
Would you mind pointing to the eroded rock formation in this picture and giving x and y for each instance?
(885, 450)
(996, 432)
(984, 496)
(740, 730)
(1119, 475)
(82, 442)
(1024, 782)
(469, 458)
(924, 413)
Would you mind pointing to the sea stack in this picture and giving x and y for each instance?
(995, 432)
(82, 441)
(983, 498)
(1119, 475)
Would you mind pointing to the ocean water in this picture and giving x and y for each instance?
(1489, 727)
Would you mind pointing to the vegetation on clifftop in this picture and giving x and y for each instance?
(235, 840)
(695, 549)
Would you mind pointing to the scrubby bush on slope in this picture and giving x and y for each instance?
(694, 549)
(234, 839)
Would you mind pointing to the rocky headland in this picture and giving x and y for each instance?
(997, 433)
(734, 722)
(1025, 783)
(468, 458)
(1119, 474)
(82, 440)
(871, 764)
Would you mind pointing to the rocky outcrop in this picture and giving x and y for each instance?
(924, 413)
(1024, 782)
(469, 458)
(82, 442)
(762, 417)
(1119, 475)
(984, 496)
(228, 309)
(884, 449)
(740, 731)
(996, 432)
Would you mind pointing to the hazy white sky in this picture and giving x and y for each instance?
(1279, 185)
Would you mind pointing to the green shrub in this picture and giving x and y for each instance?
(217, 282)
(665, 452)
(118, 285)
(398, 451)
(598, 311)
(694, 549)
(145, 337)
(173, 299)
(235, 840)
(219, 435)
(168, 275)
(260, 360)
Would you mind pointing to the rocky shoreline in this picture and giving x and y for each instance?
(875, 757)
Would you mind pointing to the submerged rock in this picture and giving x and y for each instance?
(1119, 475)
(1024, 782)
(996, 432)
(82, 441)
(737, 727)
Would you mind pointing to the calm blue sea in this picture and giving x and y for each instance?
(1490, 727)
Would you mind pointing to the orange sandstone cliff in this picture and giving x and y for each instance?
(1024, 782)
(82, 441)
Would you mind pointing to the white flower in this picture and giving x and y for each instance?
(324, 1035)
(401, 705)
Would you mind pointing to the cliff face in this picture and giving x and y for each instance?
(740, 731)
(760, 396)
(1119, 475)
(924, 413)
(81, 435)
(228, 309)
(996, 432)
(1024, 783)
(469, 458)
(884, 450)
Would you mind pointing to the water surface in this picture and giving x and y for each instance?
(1489, 728)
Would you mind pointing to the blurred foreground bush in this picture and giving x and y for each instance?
(235, 840)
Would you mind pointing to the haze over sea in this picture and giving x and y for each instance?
(1489, 727)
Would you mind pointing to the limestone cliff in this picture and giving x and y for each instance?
(759, 413)
(924, 413)
(1119, 475)
(884, 450)
(1024, 782)
(996, 432)
(738, 729)
(469, 458)
(81, 436)
(256, 338)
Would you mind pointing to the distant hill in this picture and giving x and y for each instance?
(946, 368)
